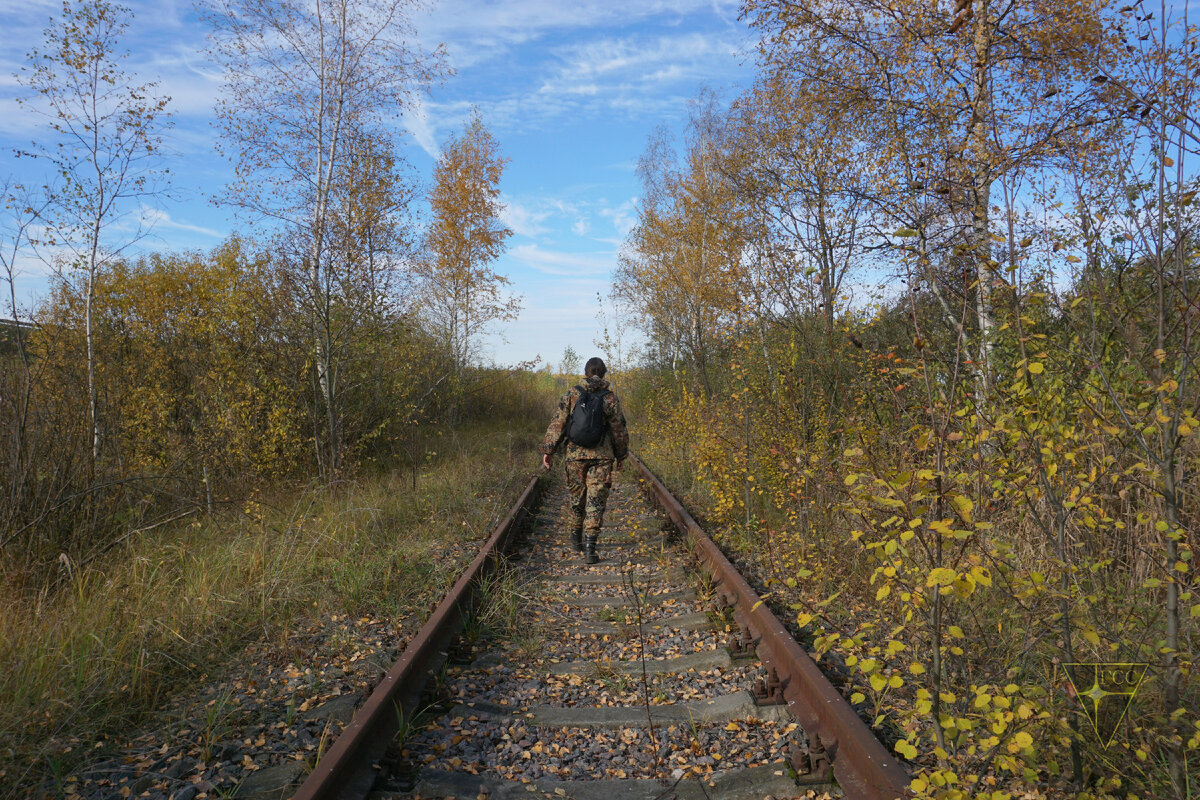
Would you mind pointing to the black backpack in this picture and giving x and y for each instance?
(587, 426)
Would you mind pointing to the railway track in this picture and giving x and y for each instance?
(657, 673)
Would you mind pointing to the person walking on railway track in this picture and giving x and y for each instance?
(590, 422)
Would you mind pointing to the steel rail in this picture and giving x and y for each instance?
(862, 766)
(347, 770)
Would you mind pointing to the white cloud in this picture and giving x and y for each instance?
(566, 264)
(637, 63)
(580, 227)
(521, 219)
(478, 30)
(185, 75)
(30, 264)
(541, 60)
(416, 119)
(564, 207)
(623, 217)
(157, 218)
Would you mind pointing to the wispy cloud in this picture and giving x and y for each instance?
(156, 218)
(623, 217)
(631, 75)
(479, 30)
(185, 75)
(568, 88)
(416, 119)
(637, 60)
(553, 262)
(30, 266)
(542, 60)
(523, 220)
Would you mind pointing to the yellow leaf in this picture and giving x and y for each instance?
(964, 506)
(942, 576)
(878, 682)
(1036, 368)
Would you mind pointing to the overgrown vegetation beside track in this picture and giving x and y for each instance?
(940, 389)
(965, 558)
(113, 640)
(197, 447)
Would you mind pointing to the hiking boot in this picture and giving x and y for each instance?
(577, 541)
(589, 550)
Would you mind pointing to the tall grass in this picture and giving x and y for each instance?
(115, 638)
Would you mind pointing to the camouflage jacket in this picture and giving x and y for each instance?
(615, 443)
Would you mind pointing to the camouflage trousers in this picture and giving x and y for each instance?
(588, 482)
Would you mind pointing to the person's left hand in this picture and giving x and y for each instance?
(547, 461)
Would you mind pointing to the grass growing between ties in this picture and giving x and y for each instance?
(499, 612)
(115, 639)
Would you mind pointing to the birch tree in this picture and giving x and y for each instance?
(304, 80)
(681, 265)
(463, 294)
(106, 138)
(949, 105)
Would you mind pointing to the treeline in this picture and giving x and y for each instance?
(920, 312)
(207, 395)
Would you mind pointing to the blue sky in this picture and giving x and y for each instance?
(571, 90)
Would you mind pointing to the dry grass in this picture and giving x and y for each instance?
(116, 638)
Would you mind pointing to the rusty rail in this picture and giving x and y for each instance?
(346, 771)
(863, 768)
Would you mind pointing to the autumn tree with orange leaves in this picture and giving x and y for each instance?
(462, 293)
